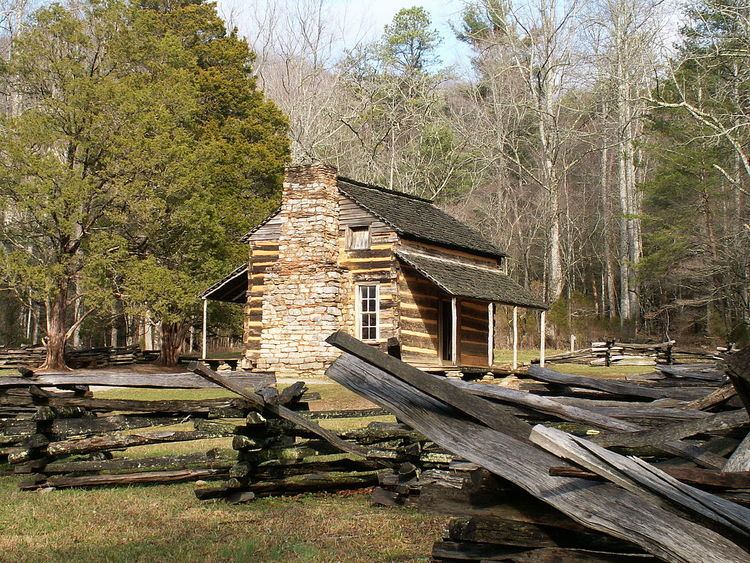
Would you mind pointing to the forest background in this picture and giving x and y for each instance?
(605, 144)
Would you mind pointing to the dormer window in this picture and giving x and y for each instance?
(358, 238)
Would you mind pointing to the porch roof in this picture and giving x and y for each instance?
(475, 282)
(231, 289)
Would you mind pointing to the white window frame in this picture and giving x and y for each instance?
(358, 310)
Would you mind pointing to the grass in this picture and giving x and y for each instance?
(526, 355)
(167, 523)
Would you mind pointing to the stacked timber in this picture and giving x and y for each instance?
(552, 475)
(284, 452)
(55, 431)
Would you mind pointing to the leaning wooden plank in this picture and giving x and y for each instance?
(675, 431)
(599, 506)
(643, 479)
(277, 410)
(103, 378)
(546, 405)
(491, 414)
(630, 410)
(705, 478)
(617, 388)
(740, 459)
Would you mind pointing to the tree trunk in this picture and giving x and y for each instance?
(57, 309)
(172, 337)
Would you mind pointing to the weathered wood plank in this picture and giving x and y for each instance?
(185, 380)
(178, 476)
(617, 388)
(643, 479)
(690, 475)
(599, 506)
(492, 414)
(740, 459)
(676, 431)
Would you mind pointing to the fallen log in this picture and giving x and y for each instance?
(118, 441)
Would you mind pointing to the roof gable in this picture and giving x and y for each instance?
(417, 218)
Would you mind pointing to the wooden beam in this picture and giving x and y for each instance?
(454, 331)
(205, 324)
(515, 337)
(542, 335)
(491, 334)
(643, 479)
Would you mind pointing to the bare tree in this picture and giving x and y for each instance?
(626, 35)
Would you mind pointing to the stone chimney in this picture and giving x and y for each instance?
(301, 306)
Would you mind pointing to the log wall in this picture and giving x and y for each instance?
(264, 253)
(419, 301)
(375, 265)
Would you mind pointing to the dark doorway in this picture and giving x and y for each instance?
(446, 330)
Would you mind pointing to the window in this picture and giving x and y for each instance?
(358, 238)
(368, 297)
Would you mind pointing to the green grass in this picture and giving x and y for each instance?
(167, 523)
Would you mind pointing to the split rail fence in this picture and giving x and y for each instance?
(610, 353)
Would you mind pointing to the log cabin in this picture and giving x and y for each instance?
(391, 269)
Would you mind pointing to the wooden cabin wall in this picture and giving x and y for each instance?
(473, 325)
(419, 301)
(378, 265)
(263, 254)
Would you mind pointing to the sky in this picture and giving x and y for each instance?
(367, 18)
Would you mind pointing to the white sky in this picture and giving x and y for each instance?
(367, 18)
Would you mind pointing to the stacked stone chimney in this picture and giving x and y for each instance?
(302, 296)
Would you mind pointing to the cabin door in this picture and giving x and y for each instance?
(446, 331)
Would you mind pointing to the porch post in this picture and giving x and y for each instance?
(491, 334)
(205, 323)
(454, 330)
(515, 337)
(541, 342)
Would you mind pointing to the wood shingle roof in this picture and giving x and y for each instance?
(416, 218)
(460, 279)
